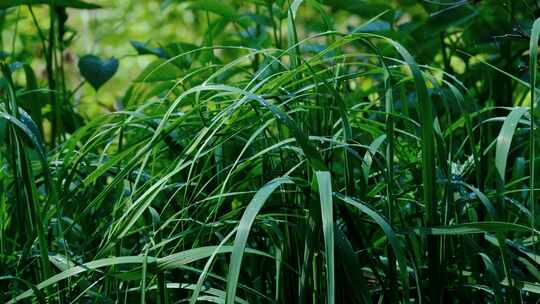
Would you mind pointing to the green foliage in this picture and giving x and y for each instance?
(269, 152)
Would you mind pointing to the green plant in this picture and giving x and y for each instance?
(328, 167)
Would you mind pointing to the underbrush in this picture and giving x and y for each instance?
(349, 174)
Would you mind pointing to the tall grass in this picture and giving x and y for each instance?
(349, 175)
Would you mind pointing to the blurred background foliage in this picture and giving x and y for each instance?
(105, 32)
(456, 35)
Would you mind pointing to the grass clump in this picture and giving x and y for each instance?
(347, 175)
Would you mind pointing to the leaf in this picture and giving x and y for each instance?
(533, 66)
(368, 157)
(97, 71)
(450, 17)
(525, 286)
(242, 234)
(390, 235)
(28, 127)
(505, 139)
(350, 266)
(325, 193)
(64, 3)
(374, 26)
(474, 228)
(142, 49)
(425, 112)
(292, 39)
(198, 287)
(493, 277)
(33, 100)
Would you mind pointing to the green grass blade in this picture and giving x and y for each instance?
(504, 140)
(390, 235)
(325, 195)
(533, 66)
(425, 110)
(244, 227)
(475, 228)
(493, 276)
(348, 261)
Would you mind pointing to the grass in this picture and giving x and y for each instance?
(348, 175)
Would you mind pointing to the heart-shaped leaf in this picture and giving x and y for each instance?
(97, 71)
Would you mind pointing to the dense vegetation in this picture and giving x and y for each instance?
(273, 152)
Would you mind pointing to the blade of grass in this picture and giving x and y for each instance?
(325, 194)
(390, 235)
(533, 65)
(504, 140)
(244, 227)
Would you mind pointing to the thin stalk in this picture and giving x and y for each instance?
(15, 32)
(390, 181)
(274, 27)
(532, 150)
(50, 78)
